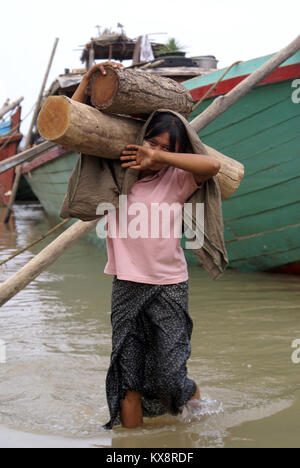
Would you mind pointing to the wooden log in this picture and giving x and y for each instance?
(133, 92)
(84, 129)
(44, 259)
(230, 175)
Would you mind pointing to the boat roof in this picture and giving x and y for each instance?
(116, 46)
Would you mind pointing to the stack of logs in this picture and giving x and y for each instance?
(121, 99)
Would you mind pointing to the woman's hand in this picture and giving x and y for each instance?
(81, 92)
(140, 158)
(101, 67)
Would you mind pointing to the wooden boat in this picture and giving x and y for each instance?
(10, 138)
(262, 130)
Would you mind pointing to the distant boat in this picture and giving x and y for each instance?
(10, 138)
(262, 131)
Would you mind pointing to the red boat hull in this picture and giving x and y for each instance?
(8, 148)
(290, 269)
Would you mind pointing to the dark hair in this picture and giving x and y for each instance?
(169, 123)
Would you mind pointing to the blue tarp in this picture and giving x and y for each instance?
(5, 127)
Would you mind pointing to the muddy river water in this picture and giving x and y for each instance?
(56, 334)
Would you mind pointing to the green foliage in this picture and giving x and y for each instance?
(171, 46)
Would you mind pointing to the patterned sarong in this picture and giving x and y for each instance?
(151, 337)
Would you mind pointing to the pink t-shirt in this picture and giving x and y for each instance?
(150, 251)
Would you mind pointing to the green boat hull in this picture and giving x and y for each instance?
(262, 130)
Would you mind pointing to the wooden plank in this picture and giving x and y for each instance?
(276, 218)
(271, 243)
(261, 132)
(258, 100)
(43, 159)
(277, 173)
(263, 200)
(25, 156)
(270, 156)
(264, 141)
(65, 163)
(266, 262)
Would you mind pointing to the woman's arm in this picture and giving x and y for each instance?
(80, 94)
(201, 166)
(143, 158)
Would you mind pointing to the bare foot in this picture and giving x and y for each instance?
(197, 395)
(131, 410)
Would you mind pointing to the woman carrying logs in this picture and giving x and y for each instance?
(151, 325)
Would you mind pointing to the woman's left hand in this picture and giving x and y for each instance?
(140, 158)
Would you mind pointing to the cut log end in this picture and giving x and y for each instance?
(137, 93)
(104, 87)
(54, 117)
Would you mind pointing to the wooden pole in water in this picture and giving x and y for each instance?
(44, 259)
(51, 231)
(68, 238)
(18, 171)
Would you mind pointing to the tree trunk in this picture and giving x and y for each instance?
(84, 129)
(230, 175)
(134, 92)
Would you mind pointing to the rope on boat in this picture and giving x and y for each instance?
(55, 228)
(213, 87)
